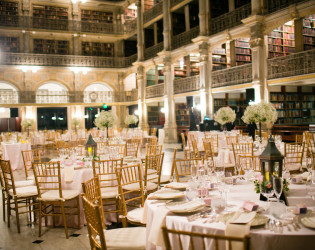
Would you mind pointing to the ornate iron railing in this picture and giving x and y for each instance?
(186, 84)
(98, 96)
(230, 19)
(154, 91)
(275, 5)
(232, 76)
(127, 96)
(152, 51)
(185, 37)
(152, 13)
(296, 64)
(131, 26)
(65, 60)
(44, 96)
(9, 97)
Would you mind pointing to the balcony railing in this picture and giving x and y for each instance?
(185, 37)
(230, 19)
(275, 5)
(28, 22)
(175, 2)
(98, 96)
(65, 60)
(131, 26)
(127, 96)
(152, 51)
(9, 97)
(187, 84)
(154, 91)
(232, 76)
(152, 13)
(296, 64)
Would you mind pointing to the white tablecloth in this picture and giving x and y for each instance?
(261, 239)
(12, 152)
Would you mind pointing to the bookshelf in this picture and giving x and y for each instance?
(309, 32)
(130, 14)
(294, 107)
(9, 44)
(94, 16)
(219, 58)
(9, 8)
(97, 49)
(187, 66)
(281, 41)
(242, 51)
(45, 46)
(182, 114)
(155, 116)
(151, 79)
(155, 75)
(50, 12)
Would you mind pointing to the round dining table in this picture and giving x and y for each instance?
(13, 153)
(261, 238)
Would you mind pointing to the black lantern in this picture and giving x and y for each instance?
(91, 147)
(271, 161)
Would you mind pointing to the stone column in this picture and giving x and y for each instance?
(170, 127)
(298, 35)
(26, 7)
(256, 7)
(26, 42)
(232, 53)
(76, 50)
(204, 17)
(141, 97)
(121, 109)
(75, 11)
(187, 20)
(140, 31)
(231, 5)
(167, 25)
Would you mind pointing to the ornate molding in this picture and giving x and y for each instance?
(255, 42)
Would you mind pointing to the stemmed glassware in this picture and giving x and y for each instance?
(277, 186)
(193, 171)
(266, 190)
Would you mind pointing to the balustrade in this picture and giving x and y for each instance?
(154, 91)
(296, 64)
(9, 97)
(232, 76)
(274, 5)
(152, 51)
(186, 84)
(153, 12)
(185, 37)
(98, 96)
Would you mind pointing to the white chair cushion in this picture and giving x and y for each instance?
(293, 167)
(24, 191)
(53, 195)
(164, 178)
(135, 215)
(225, 165)
(32, 177)
(126, 238)
(135, 186)
(109, 192)
(24, 183)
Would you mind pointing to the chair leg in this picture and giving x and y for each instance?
(40, 219)
(79, 212)
(8, 209)
(3, 205)
(64, 219)
(54, 217)
(17, 215)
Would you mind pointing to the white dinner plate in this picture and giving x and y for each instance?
(308, 221)
(186, 207)
(166, 195)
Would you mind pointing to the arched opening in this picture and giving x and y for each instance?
(52, 92)
(98, 92)
(8, 93)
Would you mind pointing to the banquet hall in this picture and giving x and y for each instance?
(157, 124)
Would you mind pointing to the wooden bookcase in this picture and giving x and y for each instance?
(9, 8)
(242, 51)
(94, 16)
(309, 32)
(9, 44)
(151, 77)
(294, 107)
(182, 114)
(45, 46)
(97, 49)
(190, 67)
(219, 58)
(155, 75)
(50, 12)
(281, 41)
(155, 116)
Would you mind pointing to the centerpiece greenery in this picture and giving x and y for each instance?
(225, 115)
(131, 120)
(105, 119)
(27, 123)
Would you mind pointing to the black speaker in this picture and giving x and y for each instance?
(190, 101)
(250, 95)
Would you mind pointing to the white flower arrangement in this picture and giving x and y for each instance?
(27, 122)
(75, 121)
(260, 113)
(131, 119)
(225, 115)
(105, 119)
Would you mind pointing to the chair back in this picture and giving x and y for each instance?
(91, 190)
(78, 150)
(153, 131)
(183, 140)
(7, 176)
(202, 240)
(183, 167)
(152, 169)
(293, 153)
(230, 139)
(131, 149)
(153, 149)
(30, 156)
(94, 222)
(208, 147)
(47, 177)
(242, 149)
(214, 138)
(298, 139)
(195, 150)
(249, 162)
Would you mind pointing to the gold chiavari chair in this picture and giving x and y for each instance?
(23, 197)
(230, 139)
(79, 150)
(81, 141)
(164, 179)
(209, 154)
(200, 240)
(100, 238)
(195, 151)
(242, 149)
(60, 144)
(152, 173)
(152, 141)
(131, 149)
(130, 182)
(185, 147)
(183, 168)
(4, 194)
(264, 134)
(249, 162)
(293, 155)
(51, 195)
(30, 156)
(91, 190)
(214, 138)
(153, 131)
(153, 149)
(298, 139)
(106, 173)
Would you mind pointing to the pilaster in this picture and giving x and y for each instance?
(121, 109)
(140, 32)
(204, 17)
(141, 97)
(167, 25)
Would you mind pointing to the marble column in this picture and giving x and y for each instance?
(231, 5)
(121, 109)
(170, 127)
(26, 42)
(256, 7)
(140, 31)
(25, 7)
(204, 17)
(141, 97)
(167, 25)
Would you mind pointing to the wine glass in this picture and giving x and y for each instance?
(309, 164)
(266, 190)
(193, 171)
(277, 186)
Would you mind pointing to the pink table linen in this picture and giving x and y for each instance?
(13, 153)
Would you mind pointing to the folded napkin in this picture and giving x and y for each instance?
(166, 194)
(176, 185)
(68, 174)
(156, 234)
(239, 226)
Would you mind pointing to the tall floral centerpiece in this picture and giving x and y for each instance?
(27, 123)
(131, 120)
(75, 122)
(105, 119)
(261, 113)
(225, 115)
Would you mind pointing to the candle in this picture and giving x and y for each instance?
(267, 176)
(89, 150)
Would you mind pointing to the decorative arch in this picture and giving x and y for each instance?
(56, 92)
(58, 82)
(9, 93)
(130, 81)
(98, 92)
(106, 84)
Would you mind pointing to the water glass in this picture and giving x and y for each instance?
(193, 171)
(277, 186)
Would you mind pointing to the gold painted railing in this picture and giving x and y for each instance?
(154, 90)
(152, 51)
(153, 12)
(185, 37)
(186, 84)
(296, 64)
(232, 76)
